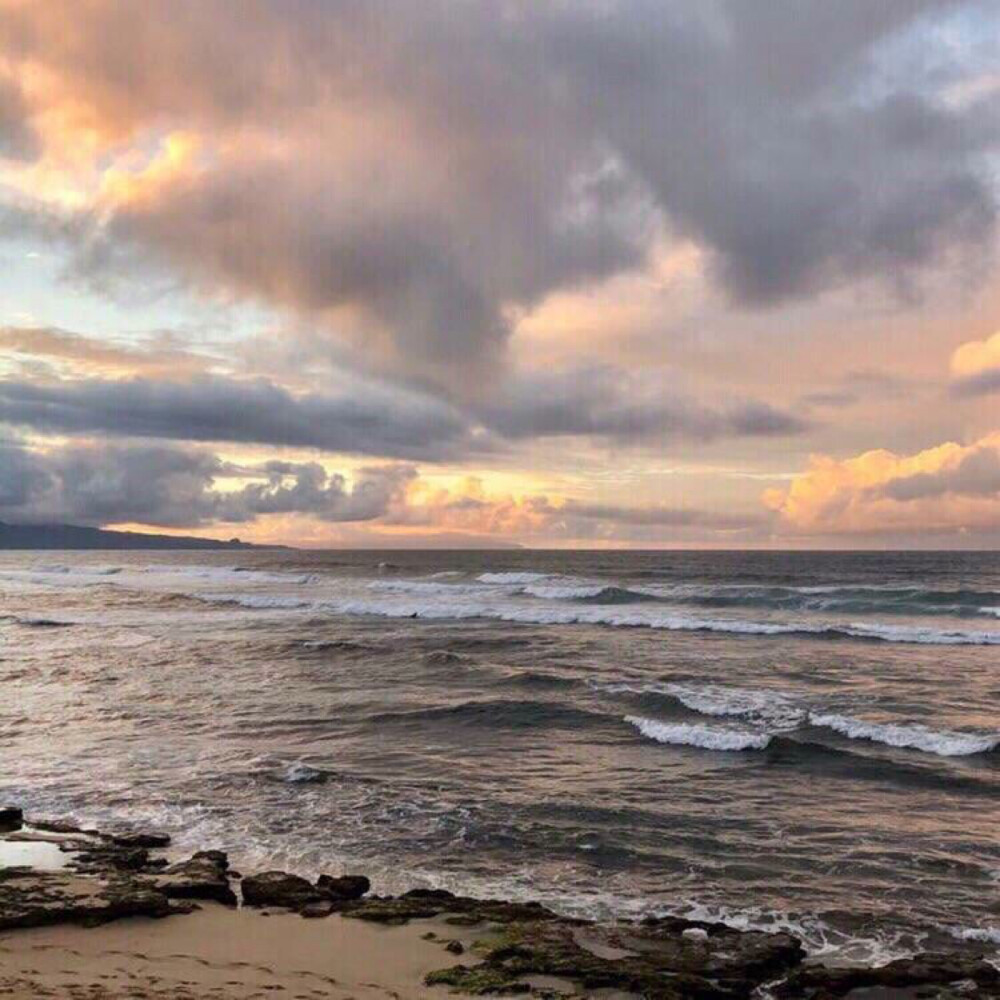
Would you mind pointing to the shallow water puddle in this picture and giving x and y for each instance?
(36, 854)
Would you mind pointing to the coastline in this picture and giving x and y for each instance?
(85, 913)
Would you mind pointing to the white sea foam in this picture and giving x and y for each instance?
(772, 707)
(264, 602)
(486, 606)
(943, 743)
(985, 935)
(694, 735)
(929, 636)
(418, 587)
(565, 592)
(514, 578)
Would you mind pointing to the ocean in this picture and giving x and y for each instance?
(805, 741)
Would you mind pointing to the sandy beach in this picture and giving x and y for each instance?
(219, 952)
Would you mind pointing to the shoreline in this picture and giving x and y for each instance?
(91, 914)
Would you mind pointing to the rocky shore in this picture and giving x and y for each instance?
(86, 878)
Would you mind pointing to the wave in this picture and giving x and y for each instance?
(261, 602)
(332, 645)
(980, 935)
(34, 622)
(776, 713)
(499, 713)
(943, 743)
(513, 578)
(622, 618)
(772, 707)
(891, 600)
(694, 735)
(592, 593)
(567, 592)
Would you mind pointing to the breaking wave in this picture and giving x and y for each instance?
(640, 618)
(775, 714)
(943, 743)
(694, 735)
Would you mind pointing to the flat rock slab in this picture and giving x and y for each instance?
(202, 877)
(33, 899)
(655, 961)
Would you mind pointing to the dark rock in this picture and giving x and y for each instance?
(108, 857)
(58, 826)
(280, 889)
(391, 911)
(345, 887)
(455, 947)
(141, 839)
(11, 819)
(419, 904)
(34, 899)
(315, 911)
(428, 894)
(202, 877)
(648, 961)
(218, 858)
(926, 970)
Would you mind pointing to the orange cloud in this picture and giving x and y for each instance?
(75, 353)
(948, 488)
(976, 356)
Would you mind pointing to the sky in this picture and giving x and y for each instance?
(588, 273)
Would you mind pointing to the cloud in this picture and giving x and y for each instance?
(411, 177)
(950, 488)
(307, 488)
(99, 484)
(173, 487)
(18, 140)
(371, 420)
(607, 402)
(975, 367)
(470, 508)
(366, 416)
(90, 355)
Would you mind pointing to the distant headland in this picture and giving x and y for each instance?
(72, 536)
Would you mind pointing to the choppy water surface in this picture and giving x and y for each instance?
(774, 739)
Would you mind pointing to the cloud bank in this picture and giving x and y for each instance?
(174, 487)
(410, 176)
(377, 418)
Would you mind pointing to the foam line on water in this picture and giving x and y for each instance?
(695, 735)
(617, 616)
(943, 743)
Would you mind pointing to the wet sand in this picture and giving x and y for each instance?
(220, 952)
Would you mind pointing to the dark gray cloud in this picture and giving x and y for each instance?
(604, 401)
(408, 174)
(297, 488)
(376, 421)
(657, 517)
(175, 487)
(864, 385)
(980, 384)
(18, 140)
(382, 418)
